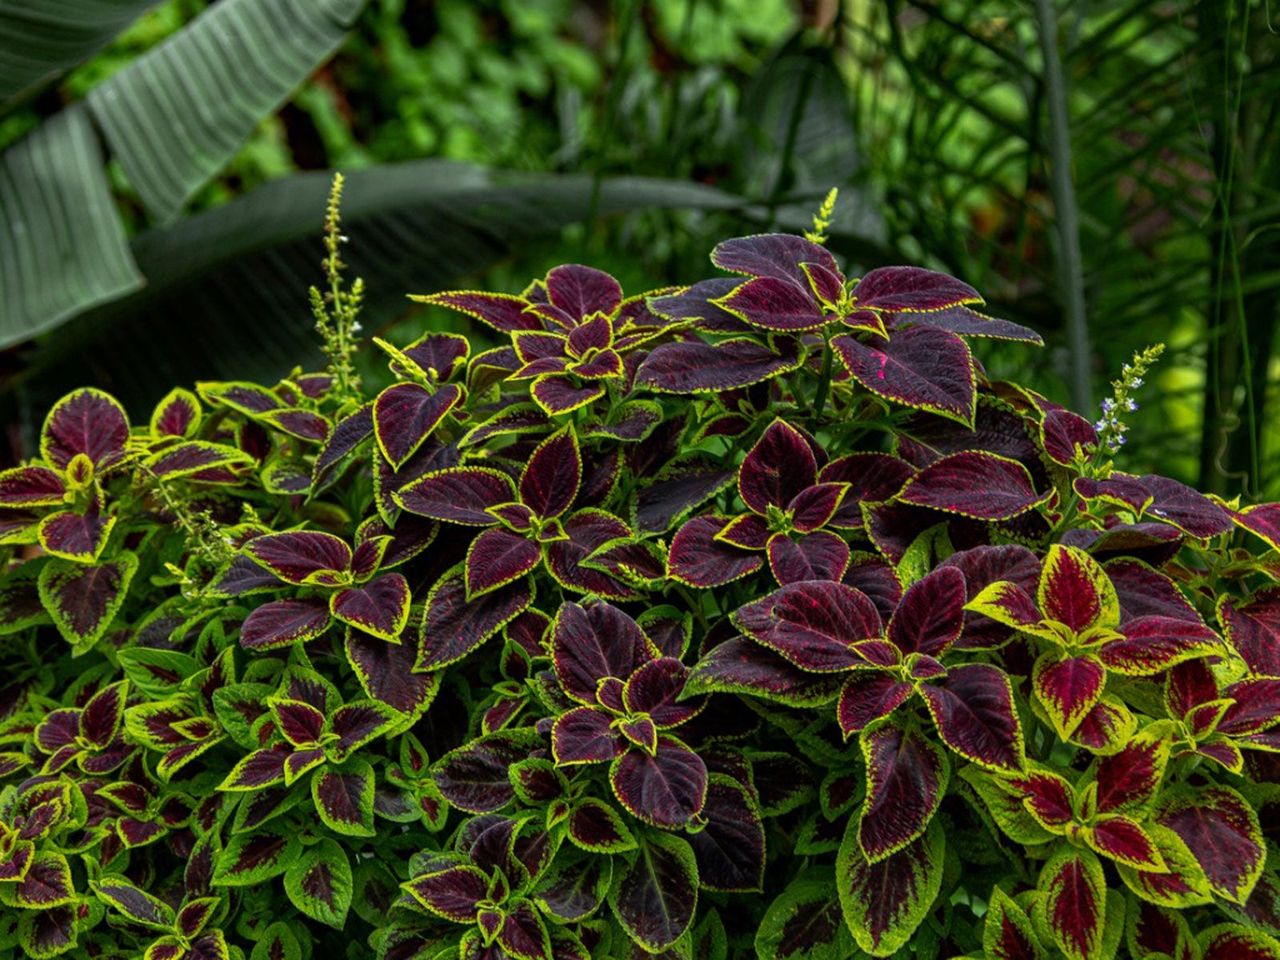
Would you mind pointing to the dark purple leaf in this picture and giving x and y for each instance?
(977, 485)
(774, 305)
(779, 466)
(911, 288)
(454, 626)
(921, 367)
(458, 494)
(88, 422)
(697, 367)
(281, 623)
(813, 624)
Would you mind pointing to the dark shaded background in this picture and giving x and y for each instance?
(935, 119)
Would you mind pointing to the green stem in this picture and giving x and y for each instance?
(1070, 262)
(824, 386)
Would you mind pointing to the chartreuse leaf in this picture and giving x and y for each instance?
(1072, 909)
(319, 883)
(344, 797)
(83, 599)
(47, 884)
(885, 902)
(251, 858)
(1007, 932)
(804, 922)
(277, 942)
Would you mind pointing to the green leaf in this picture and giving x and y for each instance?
(884, 902)
(804, 922)
(83, 599)
(251, 858)
(319, 883)
(43, 40)
(177, 114)
(344, 798)
(277, 942)
(64, 247)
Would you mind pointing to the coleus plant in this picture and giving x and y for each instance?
(744, 619)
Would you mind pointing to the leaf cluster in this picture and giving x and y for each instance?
(748, 618)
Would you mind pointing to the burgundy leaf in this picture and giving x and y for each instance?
(595, 641)
(774, 304)
(743, 666)
(502, 311)
(1221, 831)
(772, 255)
(1185, 508)
(585, 735)
(815, 556)
(1253, 629)
(387, 671)
(654, 688)
(1155, 643)
(1068, 688)
(1067, 437)
(813, 624)
(581, 291)
(497, 557)
(1075, 904)
(777, 468)
(296, 557)
(31, 486)
(475, 777)
(975, 716)
(458, 494)
(281, 623)
(906, 778)
(978, 485)
(655, 896)
(730, 848)
(971, 323)
(921, 367)
(101, 716)
(88, 422)
(911, 288)
(666, 789)
(405, 414)
(379, 607)
(550, 481)
(931, 614)
(873, 477)
(868, 696)
(454, 626)
(693, 366)
(698, 559)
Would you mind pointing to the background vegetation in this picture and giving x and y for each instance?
(1119, 191)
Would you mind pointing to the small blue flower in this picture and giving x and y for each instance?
(1108, 405)
(1131, 405)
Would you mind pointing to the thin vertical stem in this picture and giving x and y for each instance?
(1070, 268)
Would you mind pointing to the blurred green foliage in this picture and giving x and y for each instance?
(932, 117)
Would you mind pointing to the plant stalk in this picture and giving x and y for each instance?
(1070, 267)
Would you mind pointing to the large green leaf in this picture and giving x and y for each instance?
(62, 246)
(176, 115)
(226, 293)
(39, 39)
